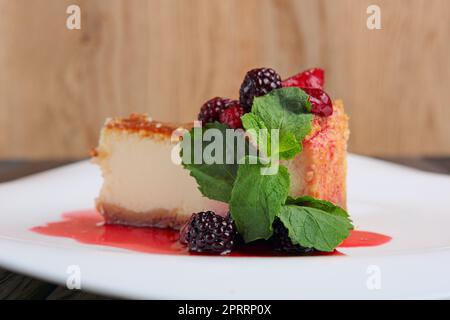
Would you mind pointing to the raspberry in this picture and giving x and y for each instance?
(283, 243)
(211, 109)
(311, 78)
(257, 82)
(232, 116)
(207, 232)
(311, 81)
(320, 101)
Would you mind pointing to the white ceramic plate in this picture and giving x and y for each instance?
(410, 206)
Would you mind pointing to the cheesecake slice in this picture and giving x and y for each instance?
(320, 170)
(144, 187)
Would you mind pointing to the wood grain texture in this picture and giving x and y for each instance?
(166, 57)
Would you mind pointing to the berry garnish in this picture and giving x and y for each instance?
(311, 78)
(283, 243)
(257, 82)
(207, 232)
(232, 116)
(321, 104)
(211, 109)
(184, 231)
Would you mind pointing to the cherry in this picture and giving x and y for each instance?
(311, 78)
(320, 101)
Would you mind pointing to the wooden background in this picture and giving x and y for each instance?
(166, 57)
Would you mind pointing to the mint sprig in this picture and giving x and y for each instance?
(256, 199)
(327, 206)
(315, 228)
(215, 180)
(287, 110)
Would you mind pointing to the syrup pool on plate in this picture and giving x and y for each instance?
(87, 227)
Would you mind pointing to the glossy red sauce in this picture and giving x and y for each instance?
(87, 227)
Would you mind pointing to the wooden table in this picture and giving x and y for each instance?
(17, 286)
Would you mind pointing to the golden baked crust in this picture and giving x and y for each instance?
(160, 217)
(142, 125)
(145, 126)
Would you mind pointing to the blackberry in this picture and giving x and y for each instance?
(207, 232)
(283, 243)
(211, 109)
(258, 82)
(232, 116)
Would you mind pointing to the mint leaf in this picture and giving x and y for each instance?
(289, 146)
(307, 201)
(286, 109)
(315, 228)
(256, 199)
(251, 121)
(215, 180)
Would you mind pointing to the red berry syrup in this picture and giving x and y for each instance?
(87, 227)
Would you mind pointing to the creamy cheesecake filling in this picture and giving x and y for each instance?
(140, 178)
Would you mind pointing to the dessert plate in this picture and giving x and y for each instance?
(408, 205)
